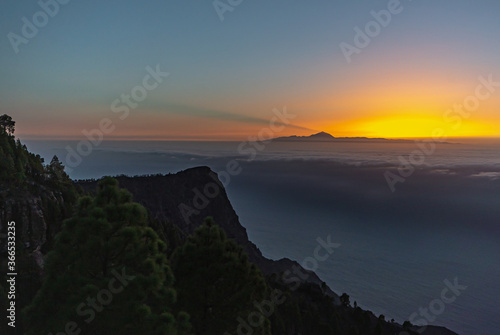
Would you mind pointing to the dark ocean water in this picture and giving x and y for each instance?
(398, 249)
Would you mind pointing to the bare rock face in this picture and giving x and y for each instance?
(33, 235)
(30, 213)
(30, 225)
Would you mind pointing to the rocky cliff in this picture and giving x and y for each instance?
(38, 214)
(182, 200)
(186, 198)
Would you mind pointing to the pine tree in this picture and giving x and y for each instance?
(107, 273)
(17, 164)
(345, 300)
(216, 283)
(56, 169)
(7, 125)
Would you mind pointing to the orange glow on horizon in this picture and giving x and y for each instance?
(412, 126)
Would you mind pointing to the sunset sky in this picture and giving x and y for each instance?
(227, 76)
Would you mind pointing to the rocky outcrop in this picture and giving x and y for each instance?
(186, 198)
(37, 216)
(37, 220)
(27, 213)
(183, 199)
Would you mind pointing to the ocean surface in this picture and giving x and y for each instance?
(397, 249)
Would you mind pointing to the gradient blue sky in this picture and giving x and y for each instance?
(226, 77)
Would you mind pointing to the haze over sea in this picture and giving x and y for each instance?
(397, 248)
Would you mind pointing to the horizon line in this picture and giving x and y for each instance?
(30, 137)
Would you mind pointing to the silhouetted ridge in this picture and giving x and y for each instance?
(170, 197)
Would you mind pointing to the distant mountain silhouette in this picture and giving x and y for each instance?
(325, 137)
(321, 136)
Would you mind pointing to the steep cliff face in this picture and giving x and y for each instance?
(38, 216)
(186, 198)
(183, 199)
(31, 228)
